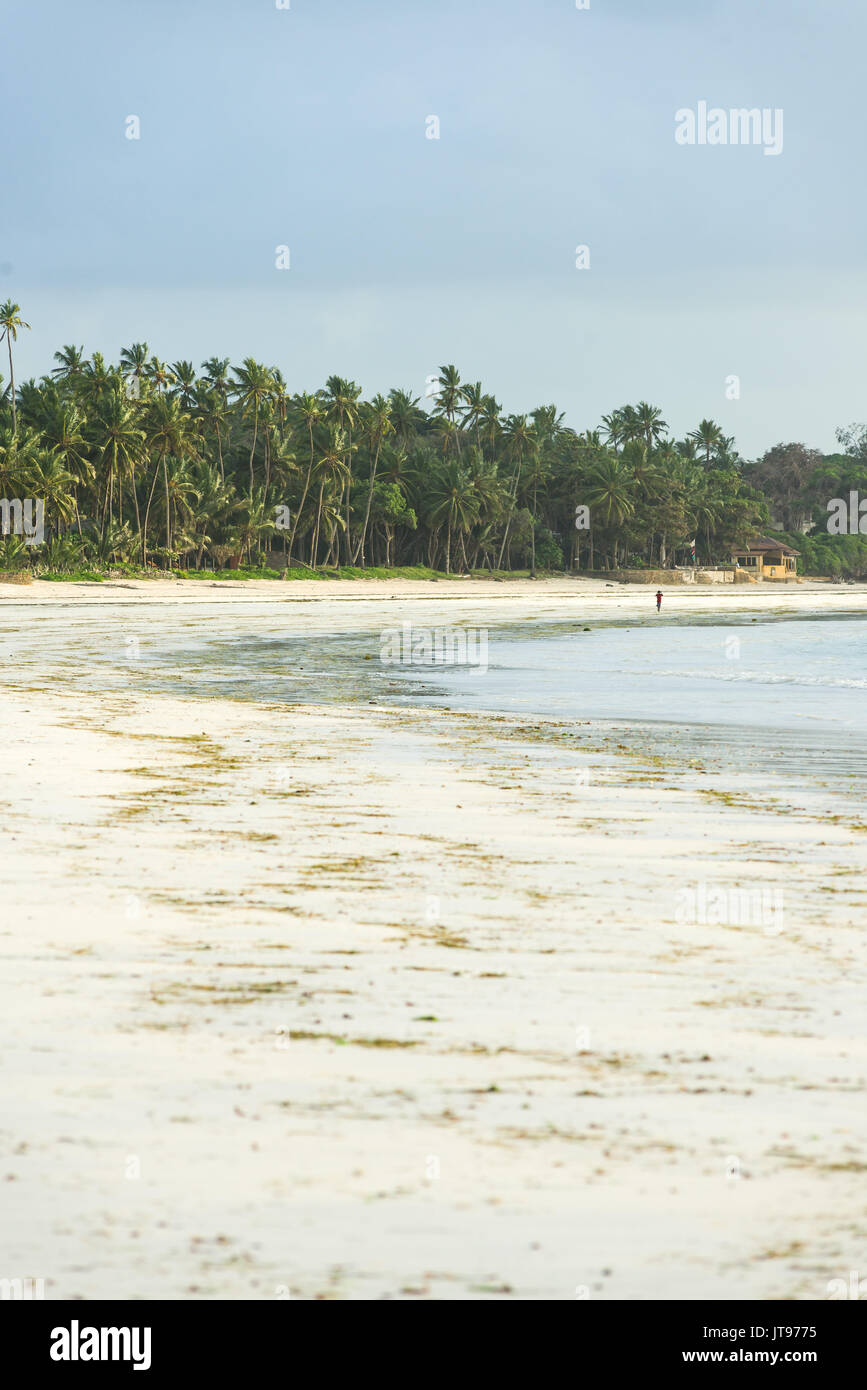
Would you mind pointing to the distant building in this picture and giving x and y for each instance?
(765, 558)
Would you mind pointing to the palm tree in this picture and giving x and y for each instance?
(51, 482)
(490, 423)
(185, 382)
(160, 375)
(452, 500)
(406, 416)
(252, 387)
(449, 398)
(71, 360)
(210, 505)
(519, 436)
(474, 408)
(342, 397)
(614, 427)
(215, 371)
(117, 441)
(376, 478)
(134, 365)
(96, 376)
(17, 458)
(482, 475)
(214, 413)
(167, 430)
(180, 495)
(309, 410)
(536, 476)
(332, 470)
(10, 322)
(62, 430)
(610, 494)
(651, 423)
(255, 522)
(378, 422)
(708, 436)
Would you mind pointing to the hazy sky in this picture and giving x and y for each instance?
(306, 127)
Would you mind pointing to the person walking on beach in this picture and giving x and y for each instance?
(658, 599)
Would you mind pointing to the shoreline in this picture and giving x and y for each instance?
(370, 1002)
(343, 603)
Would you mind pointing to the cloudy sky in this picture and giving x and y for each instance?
(306, 127)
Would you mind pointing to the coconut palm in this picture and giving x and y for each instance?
(17, 458)
(71, 363)
(474, 409)
(452, 501)
(653, 427)
(342, 397)
(167, 431)
(614, 427)
(179, 497)
(52, 484)
(449, 399)
(63, 431)
(708, 436)
(113, 443)
(332, 471)
(10, 322)
(378, 425)
(117, 443)
(491, 429)
(251, 388)
(308, 410)
(519, 436)
(215, 371)
(161, 375)
(134, 366)
(406, 416)
(610, 495)
(184, 374)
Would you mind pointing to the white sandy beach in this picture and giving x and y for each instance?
(354, 1002)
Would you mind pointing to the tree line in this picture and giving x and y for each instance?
(142, 463)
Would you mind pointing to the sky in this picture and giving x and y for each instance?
(308, 127)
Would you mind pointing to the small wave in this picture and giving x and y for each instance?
(764, 678)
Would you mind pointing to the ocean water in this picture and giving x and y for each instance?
(781, 697)
(778, 675)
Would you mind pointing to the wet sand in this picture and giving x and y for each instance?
(350, 1002)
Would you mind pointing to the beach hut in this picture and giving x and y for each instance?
(767, 559)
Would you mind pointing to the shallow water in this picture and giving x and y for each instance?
(776, 675)
(781, 698)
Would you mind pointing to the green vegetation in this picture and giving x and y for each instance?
(222, 473)
(799, 484)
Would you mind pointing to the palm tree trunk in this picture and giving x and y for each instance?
(12, 383)
(144, 548)
(360, 547)
(134, 495)
(303, 496)
(533, 536)
(315, 545)
(255, 437)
